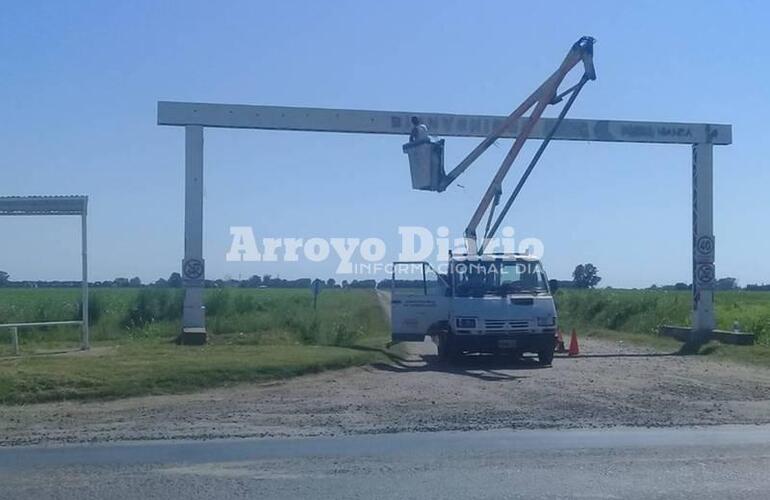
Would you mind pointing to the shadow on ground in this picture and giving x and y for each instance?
(489, 367)
(620, 355)
(482, 367)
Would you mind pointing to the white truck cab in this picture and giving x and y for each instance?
(491, 303)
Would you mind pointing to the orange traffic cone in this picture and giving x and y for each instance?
(574, 349)
(560, 342)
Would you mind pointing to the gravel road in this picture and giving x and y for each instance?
(611, 384)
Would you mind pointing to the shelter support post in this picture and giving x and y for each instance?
(704, 275)
(193, 274)
(85, 341)
(15, 340)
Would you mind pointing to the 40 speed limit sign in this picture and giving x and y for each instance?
(704, 249)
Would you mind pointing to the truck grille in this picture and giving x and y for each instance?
(507, 325)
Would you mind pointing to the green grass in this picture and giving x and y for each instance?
(658, 342)
(271, 314)
(256, 335)
(260, 334)
(154, 368)
(634, 316)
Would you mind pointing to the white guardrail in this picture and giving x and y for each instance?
(14, 327)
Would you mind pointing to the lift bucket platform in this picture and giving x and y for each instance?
(426, 162)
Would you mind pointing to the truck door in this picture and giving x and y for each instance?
(418, 299)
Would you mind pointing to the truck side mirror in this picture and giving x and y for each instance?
(553, 285)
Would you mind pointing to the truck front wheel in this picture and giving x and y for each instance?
(446, 349)
(545, 357)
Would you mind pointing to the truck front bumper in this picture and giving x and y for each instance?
(492, 343)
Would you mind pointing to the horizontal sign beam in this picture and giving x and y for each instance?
(439, 124)
(43, 205)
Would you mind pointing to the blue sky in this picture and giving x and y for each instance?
(79, 82)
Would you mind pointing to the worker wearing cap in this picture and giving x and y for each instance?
(419, 131)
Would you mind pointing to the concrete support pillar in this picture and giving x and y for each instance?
(193, 268)
(704, 275)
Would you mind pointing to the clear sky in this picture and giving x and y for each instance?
(79, 82)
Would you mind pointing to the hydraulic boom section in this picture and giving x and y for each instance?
(426, 156)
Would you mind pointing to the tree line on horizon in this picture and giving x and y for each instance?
(584, 276)
(175, 280)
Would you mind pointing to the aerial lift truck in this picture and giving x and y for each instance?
(487, 302)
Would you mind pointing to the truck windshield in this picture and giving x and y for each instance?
(479, 278)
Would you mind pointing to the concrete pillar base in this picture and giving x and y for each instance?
(686, 334)
(192, 336)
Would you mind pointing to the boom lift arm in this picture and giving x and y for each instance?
(546, 94)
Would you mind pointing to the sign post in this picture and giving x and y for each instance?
(193, 267)
(316, 290)
(704, 272)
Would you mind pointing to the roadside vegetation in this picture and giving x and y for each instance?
(261, 334)
(257, 334)
(634, 315)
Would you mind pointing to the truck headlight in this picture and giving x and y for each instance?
(465, 322)
(546, 321)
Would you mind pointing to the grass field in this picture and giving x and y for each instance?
(259, 334)
(634, 315)
(641, 311)
(256, 335)
(286, 315)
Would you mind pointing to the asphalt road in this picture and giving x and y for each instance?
(708, 462)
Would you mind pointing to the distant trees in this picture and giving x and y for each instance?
(585, 276)
(175, 280)
(363, 284)
(722, 284)
(726, 284)
(299, 283)
(254, 282)
(121, 282)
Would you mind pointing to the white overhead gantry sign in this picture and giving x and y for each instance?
(195, 116)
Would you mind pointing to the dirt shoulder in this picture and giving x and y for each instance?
(611, 384)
